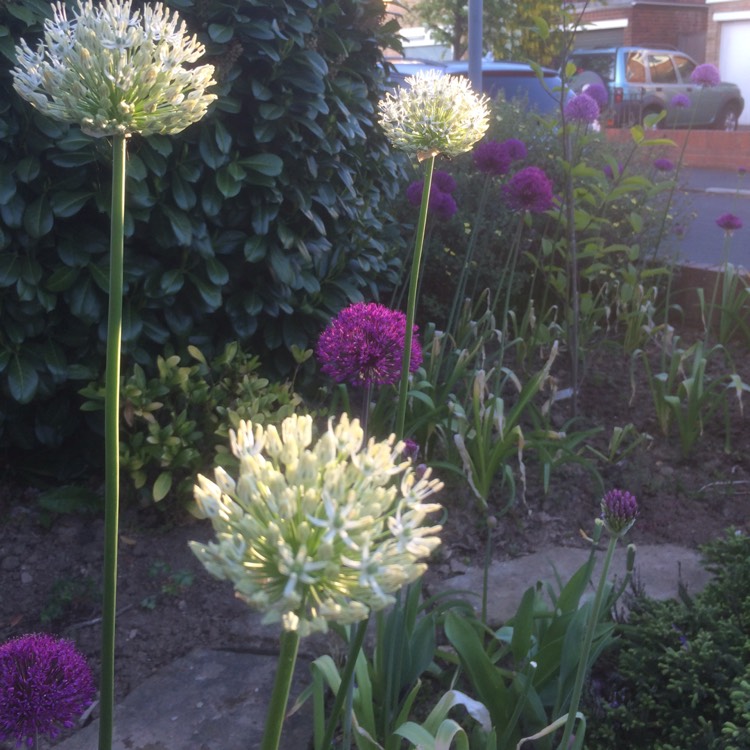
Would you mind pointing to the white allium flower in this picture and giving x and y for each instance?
(434, 114)
(312, 532)
(115, 73)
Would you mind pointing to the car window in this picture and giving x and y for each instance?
(635, 69)
(685, 67)
(602, 65)
(661, 68)
(540, 96)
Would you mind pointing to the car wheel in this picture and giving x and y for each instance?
(728, 118)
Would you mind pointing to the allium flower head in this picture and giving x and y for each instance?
(45, 684)
(115, 73)
(598, 93)
(443, 181)
(434, 114)
(516, 149)
(619, 511)
(664, 165)
(581, 108)
(364, 345)
(313, 532)
(729, 223)
(492, 157)
(680, 101)
(609, 173)
(706, 75)
(529, 190)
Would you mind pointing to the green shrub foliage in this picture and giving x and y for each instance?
(681, 678)
(253, 225)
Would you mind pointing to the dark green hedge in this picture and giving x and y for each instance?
(253, 225)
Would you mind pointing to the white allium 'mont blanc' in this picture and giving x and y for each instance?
(434, 114)
(115, 73)
(313, 532)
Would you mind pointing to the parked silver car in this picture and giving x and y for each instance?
(643, 81)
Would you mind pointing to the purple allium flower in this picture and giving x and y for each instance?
(45, 684)
(729, 223)
(364, 345)
(442, 204)
(516, 149)
(443, 181)
(741, 171)
(706, 75)
(680, 101)
(529, 190)
(411, 450)
(619, 511)
(598, 93)
(581, 108)
(492, 157)
(664, 165)
(609, 172)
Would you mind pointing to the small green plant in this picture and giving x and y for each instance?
(172, 583)
(176, 420)
(679, 675)
(69, 597)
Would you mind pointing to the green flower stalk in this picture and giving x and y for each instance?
(113, 73)
(434, 114)
(315, 532)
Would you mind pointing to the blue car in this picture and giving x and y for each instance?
(514, 80)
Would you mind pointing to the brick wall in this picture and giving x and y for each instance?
(716, 149)
(658, 25)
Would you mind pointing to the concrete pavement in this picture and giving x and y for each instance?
(707, 194)
(217, 700)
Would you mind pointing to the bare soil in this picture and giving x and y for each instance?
(50, 567)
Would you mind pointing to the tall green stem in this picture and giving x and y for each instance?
(411, 302)
(281, 687)
(111, 441)
(588, 639)
(355, 647)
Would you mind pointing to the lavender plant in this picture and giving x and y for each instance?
(45, 685)
(114, 73)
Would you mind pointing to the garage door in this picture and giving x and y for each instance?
(734, 59)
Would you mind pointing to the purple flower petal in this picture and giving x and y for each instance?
(729, 223)
(598, 93)
(443, 181)
(529, 190)
(45, 684)
(706, 75)
(680, 101)
(364, 345)
(582, 108)
(619, 511)
(664, 165)
(492, 157)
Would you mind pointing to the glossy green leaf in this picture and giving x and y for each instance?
(171, 281)
(10, 269)
(7, 184)
(227, 184)
(162, 486)
(37, 218)
(65, 205)
(62, 278)
(180, 223)
(23, 379)
(217, 272)
(269, 165)
(28, 168)
(183, 193)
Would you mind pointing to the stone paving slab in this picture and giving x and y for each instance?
(217, 700)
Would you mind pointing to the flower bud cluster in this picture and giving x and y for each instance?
(314, 532)
(111, 72)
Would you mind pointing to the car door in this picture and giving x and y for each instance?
(705, 101)
(665, 84)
